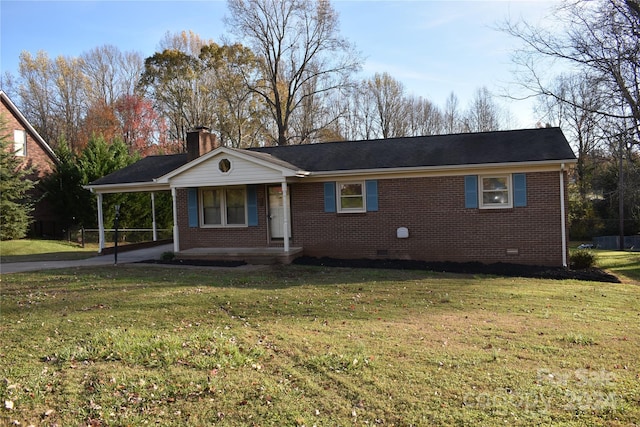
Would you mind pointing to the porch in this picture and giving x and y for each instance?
(259, 256)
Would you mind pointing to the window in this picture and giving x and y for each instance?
(212, 207)
(495, 191)
(235, 206)
(20, 142)
(351, 197)
(224, 206)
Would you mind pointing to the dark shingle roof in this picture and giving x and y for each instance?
(530, 145)
(514, 146)
(144, 170)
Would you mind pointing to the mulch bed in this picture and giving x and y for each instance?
(195, 262)
(497, 269)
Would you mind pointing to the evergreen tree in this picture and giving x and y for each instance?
(100, 158)
(63, 189)
(15, 204)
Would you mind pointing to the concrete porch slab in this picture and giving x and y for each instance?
(259, 256)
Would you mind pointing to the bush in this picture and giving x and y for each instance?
(582, 259)
(167, 256)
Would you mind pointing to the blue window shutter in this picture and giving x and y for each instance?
(252, 205)
(471, 191)
(372, 196)
(329, 196)
(519, 190)
(192, 206)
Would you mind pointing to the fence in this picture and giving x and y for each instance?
(613, 242)
(125, 235)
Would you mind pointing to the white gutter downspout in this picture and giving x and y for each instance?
(176, 235)
(563, 219)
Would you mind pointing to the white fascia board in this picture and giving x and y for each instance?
(134, 187)
(420, 171)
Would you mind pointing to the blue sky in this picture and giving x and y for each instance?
(432, 47)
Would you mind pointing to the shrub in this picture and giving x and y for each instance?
(582, 259)
(167, 256)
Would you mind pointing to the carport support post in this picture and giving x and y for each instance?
(285, 205)
(115, 238)
(153, 216)
(100, 224)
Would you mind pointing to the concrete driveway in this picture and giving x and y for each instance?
(123, 258)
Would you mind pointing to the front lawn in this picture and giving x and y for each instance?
(300, 345)
(33, 250)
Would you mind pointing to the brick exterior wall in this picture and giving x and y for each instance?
(44, 221)
(432, 209)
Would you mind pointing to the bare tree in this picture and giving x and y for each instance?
(483, 114)
(37, 92)
(577, 119)
(364, 112)
(311, 116)
(71, 102)
(111, 73)
(348, 105)
(424, 117)
(53, 95)
(391, 106)
(301, 53)
(601, 38)
(451, 115)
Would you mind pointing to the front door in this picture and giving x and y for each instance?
(276, 212)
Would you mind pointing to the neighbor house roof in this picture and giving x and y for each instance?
(514, 146)
(486, 148)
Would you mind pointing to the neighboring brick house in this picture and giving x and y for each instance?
(486, 197)
(36, 154)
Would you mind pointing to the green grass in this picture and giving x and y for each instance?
(621, 263)
(31, 250)
(295, 346)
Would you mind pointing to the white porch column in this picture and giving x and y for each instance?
(285, 205)
(153, 216)
(176, 234)
(100, 224)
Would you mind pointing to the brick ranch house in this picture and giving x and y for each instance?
(35, 153)
(485, 197)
